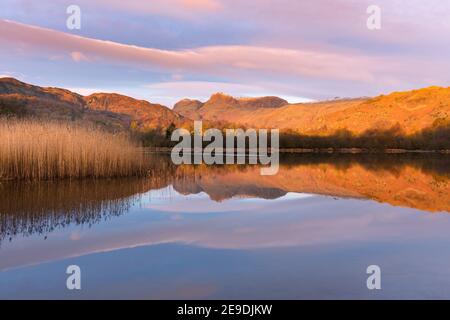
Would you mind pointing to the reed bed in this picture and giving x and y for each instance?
(34, 150)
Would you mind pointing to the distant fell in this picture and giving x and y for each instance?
(409, 112)
(111, 111)
(220, 106)
(400, 113)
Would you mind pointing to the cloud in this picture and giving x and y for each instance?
(202, 5)
(228, 61)
(343, 22)
(177, 77)
(291, 22)
(311, 69)
(184, 9)
(417, 27)
(78, 56)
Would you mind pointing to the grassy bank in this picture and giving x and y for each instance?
(33, 150)
(433, 138)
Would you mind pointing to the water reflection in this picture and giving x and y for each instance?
(28, 208)
(217, 231)
(419, 182)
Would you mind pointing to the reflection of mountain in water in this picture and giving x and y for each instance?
(202, 179)
(420, 182)
(409, 181)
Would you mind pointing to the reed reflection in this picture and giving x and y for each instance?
(414, 181)
(29, 208)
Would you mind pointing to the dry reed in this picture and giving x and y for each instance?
(34, 150)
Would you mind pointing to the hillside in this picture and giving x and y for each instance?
(111, 111)
(412, 111)
(398, 116)
(144, 115)
(222, 107)
(24, 100)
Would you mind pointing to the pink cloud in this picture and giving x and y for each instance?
(291, 21)
(185, 9)
(248, 61)
(78, 56)
(202, 5)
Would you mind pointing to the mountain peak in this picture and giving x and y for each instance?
(222, 97)
(263, 102)
(9, 79)
(9, 82)
(247, 102)
(188, 107)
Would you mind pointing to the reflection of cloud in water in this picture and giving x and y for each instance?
(232, 216)
(201, 202)
(312, 221)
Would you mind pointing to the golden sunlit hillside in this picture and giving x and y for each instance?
(417, 119)
(411, 111)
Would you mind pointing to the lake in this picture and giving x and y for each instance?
(226, 232)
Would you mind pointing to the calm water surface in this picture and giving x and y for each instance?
(199, 232)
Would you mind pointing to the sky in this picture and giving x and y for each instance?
(167, 50)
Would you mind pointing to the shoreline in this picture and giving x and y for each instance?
(318, 151)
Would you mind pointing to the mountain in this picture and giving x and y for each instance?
(222, 107)
(409, 111)
(188, 108)
(144, 115)
(112, 111)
